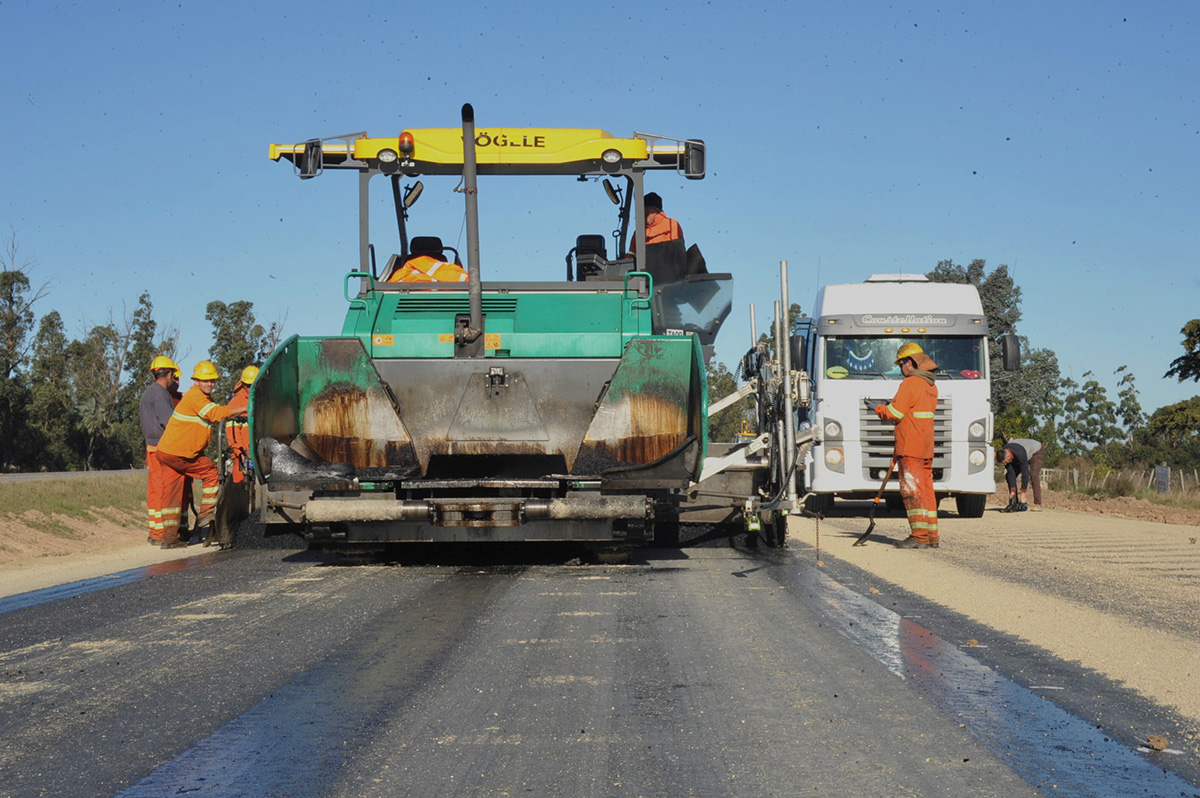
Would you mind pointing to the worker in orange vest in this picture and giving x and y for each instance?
(237, 430)
(659, 226)
(181, 451)
(428, 269)
(912, 412)
(154, 411)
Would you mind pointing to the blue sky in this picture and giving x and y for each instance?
(1061, 139)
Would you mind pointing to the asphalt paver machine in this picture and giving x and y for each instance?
(570, 409)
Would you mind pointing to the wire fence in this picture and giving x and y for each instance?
(1175, 482)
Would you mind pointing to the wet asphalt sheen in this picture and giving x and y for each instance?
(706, 672)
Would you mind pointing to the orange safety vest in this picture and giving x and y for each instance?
(190, 427)
(664, 229)
(912, 412)
(237, 431)
(428, 269)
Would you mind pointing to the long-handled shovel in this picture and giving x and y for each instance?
(862, 540)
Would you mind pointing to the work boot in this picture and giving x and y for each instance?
(1022, 507)
(174, 544)
(912, 543)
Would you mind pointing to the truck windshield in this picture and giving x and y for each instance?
(854, 357)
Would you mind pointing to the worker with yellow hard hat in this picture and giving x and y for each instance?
(237, 430)
(181, 451)
(154, 411)
(912, 412)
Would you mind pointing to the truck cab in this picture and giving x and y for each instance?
(855, 332)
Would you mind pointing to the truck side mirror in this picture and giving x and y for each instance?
(312, 160)
(799, 352)
(413, 193)
(693, 159)
(1010, 348)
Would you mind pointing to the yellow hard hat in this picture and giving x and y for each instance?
(164, 362)
(248, 375)
(908, 350)
(205, 370)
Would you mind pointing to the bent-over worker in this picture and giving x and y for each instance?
(1026, 456)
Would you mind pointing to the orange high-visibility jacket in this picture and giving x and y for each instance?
(238, 432)
(428, 269)
(912, 412)
(664, 229)
(190, 427)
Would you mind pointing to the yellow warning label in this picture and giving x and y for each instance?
(491, 340)
(383, 340)
(445, 338)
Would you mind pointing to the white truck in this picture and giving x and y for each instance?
(854, 332)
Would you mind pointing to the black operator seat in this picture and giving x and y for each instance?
(591, 256)
(431, 246)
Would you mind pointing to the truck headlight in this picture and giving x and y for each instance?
(834, 457)
(975, 430)
(977, 457)
(833, 429)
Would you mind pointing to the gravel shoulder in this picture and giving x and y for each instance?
(1120, 596)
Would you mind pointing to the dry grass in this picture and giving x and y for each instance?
(1107, 483)
(73, 498)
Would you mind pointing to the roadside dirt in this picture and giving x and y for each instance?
(1140, 509)
(39, 550)
(1113, 585)
(34, 534)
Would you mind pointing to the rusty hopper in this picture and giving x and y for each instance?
(488, 411)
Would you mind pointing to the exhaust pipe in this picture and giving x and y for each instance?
(475, 328)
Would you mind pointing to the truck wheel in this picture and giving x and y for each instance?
(970, 505)
(666, 534)
(774, 529)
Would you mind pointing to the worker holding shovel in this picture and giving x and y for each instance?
(912, 412)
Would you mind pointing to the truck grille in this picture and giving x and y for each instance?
(879, 440)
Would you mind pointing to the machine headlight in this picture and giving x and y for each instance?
(977, 457)
(834, 457)
(833, 429)
(388, 156)
(976, 429)
(611, 156)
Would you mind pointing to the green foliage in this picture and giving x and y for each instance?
(1090, 417)
(238, 341)
(53, 420)
(17, 298)
(1187, 365)
(1177, 425)
(724, 425)
(1025, 399)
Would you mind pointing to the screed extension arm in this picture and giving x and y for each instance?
(733, 398)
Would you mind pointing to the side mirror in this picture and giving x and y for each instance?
(413, 193)
(611, 191)
(1010, 349)
(312, 160)
(799, 352)
(693, 159)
